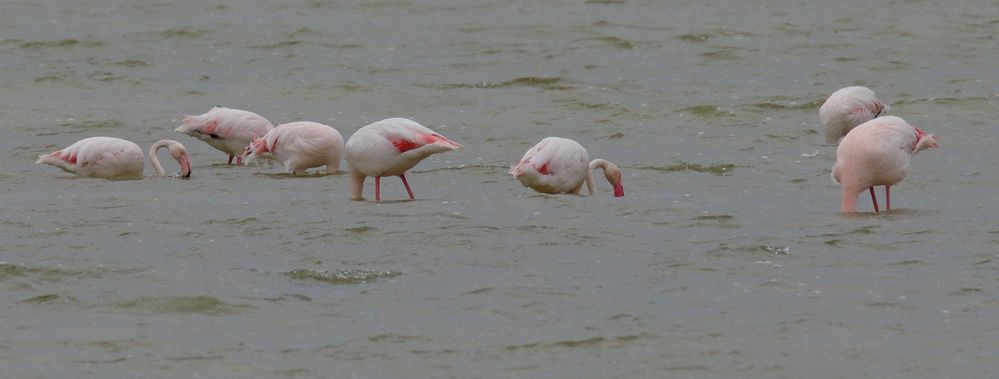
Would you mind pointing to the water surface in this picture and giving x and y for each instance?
(725, 259)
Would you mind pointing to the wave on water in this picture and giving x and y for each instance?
(546, 83)
(716, 169)
(341, 276)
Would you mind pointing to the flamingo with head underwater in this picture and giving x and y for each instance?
(876, 153)
(561, 165)
(391, 147)
(226, 129)
(299, 146)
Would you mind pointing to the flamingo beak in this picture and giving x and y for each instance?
(185, 168)
(618, 189)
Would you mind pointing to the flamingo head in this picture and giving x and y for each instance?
(924, 141)
(179, 152)
(255, 149)
(613, 175)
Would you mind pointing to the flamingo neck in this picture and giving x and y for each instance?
(589, 182)
(177, 151)
(849, 199)
(589, 173)
(611, 172)
(156, 162)
(357, 184)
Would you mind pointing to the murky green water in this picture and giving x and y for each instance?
(725, 259)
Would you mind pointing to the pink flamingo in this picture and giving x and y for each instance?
(112, 158)
(848, 107)
(876, 153)
(559, 165)
(390, 147)
(299, 145)
(228, 130)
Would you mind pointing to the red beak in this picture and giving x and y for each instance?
(618, 189)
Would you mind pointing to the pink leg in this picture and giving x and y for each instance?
(874, 199)
(239, 161)
(405, 183)
(230, 160)
(378, 188)
(888, 198)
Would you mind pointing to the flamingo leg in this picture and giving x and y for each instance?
(378, 188)
(230, 160)
(239, 161)
(874, 199)
(888, 198)
(405, 183)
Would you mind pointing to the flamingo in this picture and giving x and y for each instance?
(112, 158)
(559, 165)
(848, 107)
(228, 130)
(390, 147)
(299, 145)
(876, 153)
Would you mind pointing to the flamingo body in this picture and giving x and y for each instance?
(98, 157)
(391, 147)
(299, 146)
(876, 153)
(846, 108)
(561, 165)
(228, 130)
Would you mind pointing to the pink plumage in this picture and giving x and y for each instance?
(876, 153)
(228, 130)
(848, 107)
(390, 148)
(98, 157)
(561, 165)
(299, 146)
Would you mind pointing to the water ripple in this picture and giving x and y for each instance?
(341, 276)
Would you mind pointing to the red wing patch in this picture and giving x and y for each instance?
(545, 168)
(404, 145)
(209, 127)
(69, 158)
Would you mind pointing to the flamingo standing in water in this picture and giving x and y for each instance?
(846, 108)
(112, 158)
(228, 130)
(390, 147)
(561, 165)
(876, 153)
(299, 145)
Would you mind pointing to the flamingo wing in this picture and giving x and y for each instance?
(406, 135)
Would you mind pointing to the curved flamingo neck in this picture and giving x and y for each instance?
(178, 153)
(603, 164)
(156, 162)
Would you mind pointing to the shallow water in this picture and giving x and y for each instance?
(727, 257)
